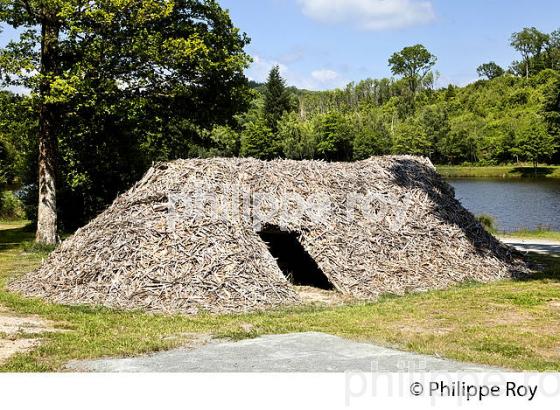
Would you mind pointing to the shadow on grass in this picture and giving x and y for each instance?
(547, 267)
(528, 172)
(14, 237)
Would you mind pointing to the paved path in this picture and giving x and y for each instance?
(544, 247)
(303, 352)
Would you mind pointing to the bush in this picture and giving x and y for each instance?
(34, 247)
(488, 222)
(11, 207)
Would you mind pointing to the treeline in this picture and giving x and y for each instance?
(508, 116)
(112, 113)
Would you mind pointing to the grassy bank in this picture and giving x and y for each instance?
(537, 234)
(513, 324)
(498, 172)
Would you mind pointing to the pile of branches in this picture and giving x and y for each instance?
(185, 238)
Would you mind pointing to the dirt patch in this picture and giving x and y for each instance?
(313, 295)
(191, 340)
(8, 348)
(424, 327)
(555, 305)
(510, 317)
(16, 333)
(13, 325)
(551, 353)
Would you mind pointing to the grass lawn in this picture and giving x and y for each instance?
(511, 171)
(538, 234)
(513, 324)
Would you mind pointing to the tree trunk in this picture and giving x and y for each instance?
(536, 166)
(47, 215)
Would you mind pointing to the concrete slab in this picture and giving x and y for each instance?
(542, 246)
(302, 352)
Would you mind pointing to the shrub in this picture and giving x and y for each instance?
(11, 207)
(488, 222)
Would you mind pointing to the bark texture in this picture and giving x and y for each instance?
(46, 214)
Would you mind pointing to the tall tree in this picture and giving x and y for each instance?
(533, 140)
(490, 70)
(413, 63)
(151, 57)
(277, 98)
(530, 43)
(553, 51)
(17, 57)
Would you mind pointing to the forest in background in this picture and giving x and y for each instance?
(508, 116)
(108, 136)
(507, 119)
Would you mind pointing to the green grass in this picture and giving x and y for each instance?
(511, 171)
(544, 234)
(513, 324)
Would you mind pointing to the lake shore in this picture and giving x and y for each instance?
(506, 171)
(539, 235)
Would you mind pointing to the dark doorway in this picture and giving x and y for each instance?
(296, 264)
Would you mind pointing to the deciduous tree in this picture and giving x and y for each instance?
(413, 63)
(173, 63)
(533, 142)
(530, 43)
(490, 70)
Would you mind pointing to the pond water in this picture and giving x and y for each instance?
(516, 204)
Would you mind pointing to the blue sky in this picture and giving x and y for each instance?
(322, 44)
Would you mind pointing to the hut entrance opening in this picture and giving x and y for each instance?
(293, 260)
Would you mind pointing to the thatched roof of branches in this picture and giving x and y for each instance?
(185, 237)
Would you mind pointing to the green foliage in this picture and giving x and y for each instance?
(334, 137)
(539, 51)
(17, 128)
(461, 142)
(258, 140)
(413, 63)
(490, 70)
(296, 137)
(481, 122)
(11, 207)
(488, 222)
(130, 82)
(371, 136)
(277, 98)
(226, 139)
(533, 142)
(411, 138)
(6, 160)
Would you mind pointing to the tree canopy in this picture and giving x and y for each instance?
(413, 63)
(277, 98)
(119, 84)
(490, 70)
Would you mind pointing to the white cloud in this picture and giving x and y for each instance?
(321, 79)
(261, 67)
(370, 14)
(325, 76)
(293, 56)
